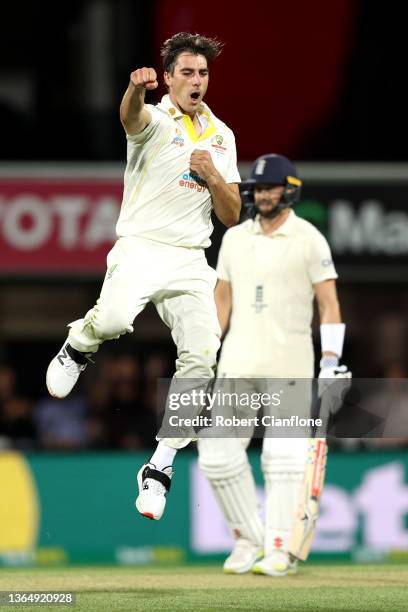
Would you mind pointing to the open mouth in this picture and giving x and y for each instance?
(194, 96)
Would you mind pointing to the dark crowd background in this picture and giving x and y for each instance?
(317, 81)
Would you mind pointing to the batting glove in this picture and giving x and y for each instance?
(330, 371)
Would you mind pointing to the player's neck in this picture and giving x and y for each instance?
(197, 125)
(271, 225)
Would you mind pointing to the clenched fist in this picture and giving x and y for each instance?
(201, 163)
(144, 78)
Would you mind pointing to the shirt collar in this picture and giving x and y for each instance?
(283, 230)
(167, 105)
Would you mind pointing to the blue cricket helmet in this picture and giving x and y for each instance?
(272, 169)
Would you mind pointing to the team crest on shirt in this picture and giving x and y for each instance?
(178, 139)
(217, 143)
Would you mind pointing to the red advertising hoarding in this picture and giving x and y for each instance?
(57, 225)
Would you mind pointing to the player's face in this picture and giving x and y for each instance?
(267, 197)
(188, 83)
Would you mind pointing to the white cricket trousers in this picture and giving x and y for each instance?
(178, 281)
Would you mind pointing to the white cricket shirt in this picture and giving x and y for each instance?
(162, 201)
(272, 278)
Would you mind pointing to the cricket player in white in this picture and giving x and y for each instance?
(270, 268)
(181, 164)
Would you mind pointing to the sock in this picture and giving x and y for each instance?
(163, 456)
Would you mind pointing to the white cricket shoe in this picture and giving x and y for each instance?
(276, 564)
(153, 487)
(243, 556)
(64, 370)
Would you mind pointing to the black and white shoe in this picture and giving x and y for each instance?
(64, 370)
(153, 487)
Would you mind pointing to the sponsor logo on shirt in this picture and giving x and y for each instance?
(192, 181)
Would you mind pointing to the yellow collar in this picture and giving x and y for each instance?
(203, 111)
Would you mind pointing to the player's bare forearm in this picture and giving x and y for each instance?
(226, 200)
(223, 301)
(225, 196)
(327, 301)
(133, 113)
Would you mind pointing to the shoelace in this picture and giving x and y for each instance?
(73, 368)
(155, 486)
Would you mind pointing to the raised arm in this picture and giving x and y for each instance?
(133, 113)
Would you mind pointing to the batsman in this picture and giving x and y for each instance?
(270, 270)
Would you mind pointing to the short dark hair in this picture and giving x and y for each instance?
(193, 43)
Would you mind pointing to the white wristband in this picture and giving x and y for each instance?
(332, 337)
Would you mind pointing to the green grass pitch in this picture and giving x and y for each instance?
(334, 587)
